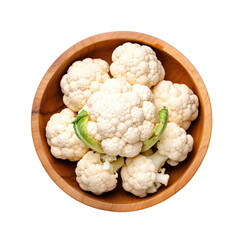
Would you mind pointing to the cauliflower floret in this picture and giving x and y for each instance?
(136, 64)
(123, 119)
(143, 92)
(180, 101)
(61, 137)
(93, 131)
(94, 176)
(108, 158)
(113, 146)
(140, 174)
(112, 87)
(175, 144)
(83, 78)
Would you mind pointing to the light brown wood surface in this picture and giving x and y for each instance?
(48, 100)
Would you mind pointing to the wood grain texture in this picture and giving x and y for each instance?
(48, 100)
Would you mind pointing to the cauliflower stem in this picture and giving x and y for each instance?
(80, 128)
(113, 166)
(158, 160)
(117, 164)
(158, 130)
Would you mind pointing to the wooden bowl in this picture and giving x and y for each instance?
(48, 100)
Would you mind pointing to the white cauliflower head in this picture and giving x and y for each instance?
(140, 174)
(61, 137)
(92, 176)
(122, 117)
(175, 143)
(180, 101)
(136, 64)
(83, 78)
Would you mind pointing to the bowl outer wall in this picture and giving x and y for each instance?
(199, 155)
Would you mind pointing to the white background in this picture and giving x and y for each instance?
(34, 34)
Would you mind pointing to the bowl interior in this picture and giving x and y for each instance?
(51, 102)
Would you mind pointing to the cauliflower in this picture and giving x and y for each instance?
(140, 175)
(144, 174)
(180, 100)
(122, 117)
(61, 137)
(175, 144)
(93, 176)
(136, 64)
(83, 78)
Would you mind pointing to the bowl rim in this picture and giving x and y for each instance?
(199, 155)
